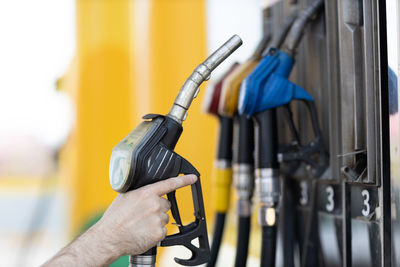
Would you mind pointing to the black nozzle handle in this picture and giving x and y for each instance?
(196, 229)
(314, 118)
(306, 153)
(292, 127)
(174, 207)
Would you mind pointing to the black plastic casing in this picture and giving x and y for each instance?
(156, 160)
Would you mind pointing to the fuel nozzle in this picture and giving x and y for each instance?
(202, 72)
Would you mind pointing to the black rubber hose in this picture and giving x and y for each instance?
(267, 139)
(225, 138)
(217, 238)
(268, 246)
(242, 245)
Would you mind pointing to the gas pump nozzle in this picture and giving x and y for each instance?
(146, 155)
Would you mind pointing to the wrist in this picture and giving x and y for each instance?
(101, 244)
(92, 248)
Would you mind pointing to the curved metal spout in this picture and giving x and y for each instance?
(202, 72)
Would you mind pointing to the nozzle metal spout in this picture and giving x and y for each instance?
(202, 72)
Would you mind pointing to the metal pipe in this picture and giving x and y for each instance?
(190, 88)
(147, 259)
(277, 41)
(296, 31)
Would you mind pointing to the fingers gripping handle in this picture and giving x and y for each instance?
(196, 229)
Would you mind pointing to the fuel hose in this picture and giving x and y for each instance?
(268, 245)
(223, 173)
(217, 237)
(242, 245)
(243, 175)
(267, 180)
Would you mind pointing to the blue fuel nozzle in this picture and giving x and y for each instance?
(268, 85)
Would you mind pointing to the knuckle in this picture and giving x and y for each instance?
(158, 220)
(156, 205)
(152, 204)
(169, 184)
(166, 218)
(165, 205)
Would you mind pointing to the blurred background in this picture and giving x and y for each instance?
(75, 78)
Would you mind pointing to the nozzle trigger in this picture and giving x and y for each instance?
(196, 229)
(306, 153)
(174, 208)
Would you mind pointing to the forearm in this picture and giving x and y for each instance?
(93, 248)
(132, 224)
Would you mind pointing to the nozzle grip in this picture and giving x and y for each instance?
(306, 153)
(196, 229)
(174, 208)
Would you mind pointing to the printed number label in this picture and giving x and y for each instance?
(367, 208)
(330, 194)
(303, 193)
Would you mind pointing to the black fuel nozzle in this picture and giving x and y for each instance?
(313, 153)
(264, 90)
(146, 155)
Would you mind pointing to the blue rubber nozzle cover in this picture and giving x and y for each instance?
(267, 85)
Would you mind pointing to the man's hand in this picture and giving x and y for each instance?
(136, 220)
(132, 224)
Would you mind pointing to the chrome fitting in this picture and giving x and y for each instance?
(267, 216)
(142, 261)
(223, 164)
(243, 179)
(267, 186)
(243, 207)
